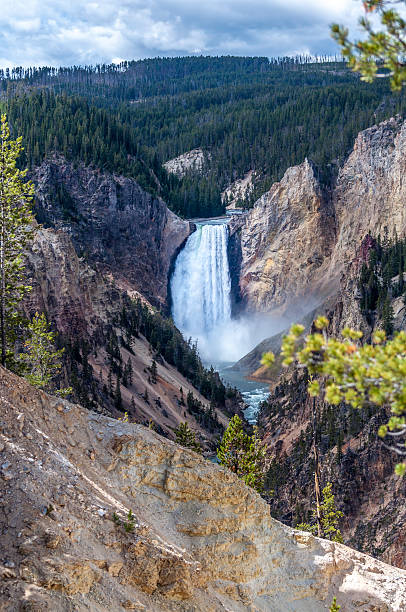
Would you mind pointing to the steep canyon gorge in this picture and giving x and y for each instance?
(203, 541)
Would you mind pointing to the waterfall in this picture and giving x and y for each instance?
(200, 285)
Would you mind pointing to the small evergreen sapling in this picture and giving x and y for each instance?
(42, 362)
(242, 454)
(334, 606)
(330, 518)
(129, 524)
(187, 438)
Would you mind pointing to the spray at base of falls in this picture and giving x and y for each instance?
(201, 299)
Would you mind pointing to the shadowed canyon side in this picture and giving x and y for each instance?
(352, 456)
(200, 541)
(298, 239)
(112, 222)
(111, 244)
(86, 308)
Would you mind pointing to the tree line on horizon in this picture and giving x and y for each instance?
(245, 113)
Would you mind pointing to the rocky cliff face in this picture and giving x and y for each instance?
(78, 299)
(198, 538)
(353, 458)
(298, 239)
(192, 161)
(370, 192)
(112, 222)
(286, 240)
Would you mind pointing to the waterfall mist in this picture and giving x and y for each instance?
(201, 301)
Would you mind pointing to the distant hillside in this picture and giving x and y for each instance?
(247, 113)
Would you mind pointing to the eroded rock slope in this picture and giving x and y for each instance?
(352, 456)
(200, 539)
(84, 306)
(299, 238)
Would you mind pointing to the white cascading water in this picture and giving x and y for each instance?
(200, 285)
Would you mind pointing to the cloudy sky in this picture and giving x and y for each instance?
(66, 32)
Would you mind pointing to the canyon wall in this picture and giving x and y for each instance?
(286, 240)
(113, 223)
(78, 299)
(298, 239)
(277, 271)
(352, 456)
(198, 539)
(84, 306)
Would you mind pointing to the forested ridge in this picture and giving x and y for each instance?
(247, 113)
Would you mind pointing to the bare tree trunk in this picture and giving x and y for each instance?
(316, 470)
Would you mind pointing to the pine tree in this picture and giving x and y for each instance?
(129, 372)
(154, 372)
(117, 395)
(330, 516)
(186, 437)
(340, 439)
(387, 316)
(42, 362)
(110, 382)
(242, 454)
(15, 232)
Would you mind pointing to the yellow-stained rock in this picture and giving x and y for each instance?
(201, 541)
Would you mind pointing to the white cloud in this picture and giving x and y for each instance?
(56, 32)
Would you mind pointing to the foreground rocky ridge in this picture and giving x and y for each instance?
(200, 541)
(299, 238)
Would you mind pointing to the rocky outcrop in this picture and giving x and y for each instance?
(197, 539)
(77, 298)
(370, 192)
(298, 239)
(286, 240)
(239, 190)
(192, 161)
(113, 223)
